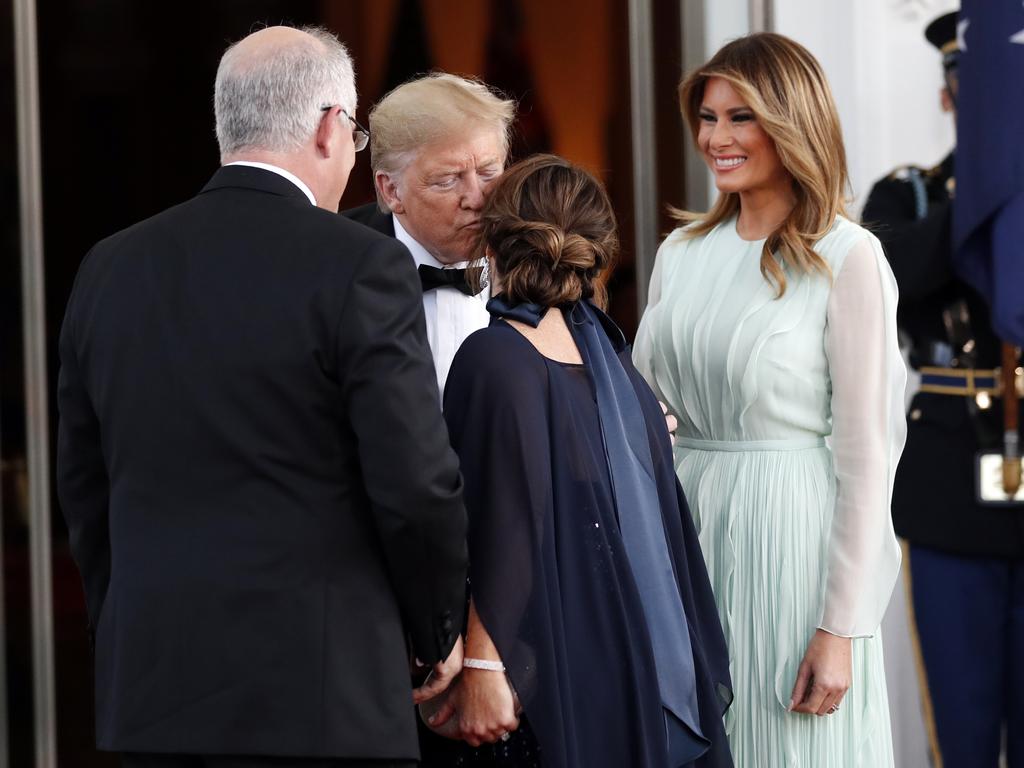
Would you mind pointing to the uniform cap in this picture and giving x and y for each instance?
(942, 34)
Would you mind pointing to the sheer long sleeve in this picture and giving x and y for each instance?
(868, 432)
(643, 344)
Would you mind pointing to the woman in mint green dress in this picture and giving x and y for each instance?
(771, 334)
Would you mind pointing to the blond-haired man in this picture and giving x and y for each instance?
(436, 144)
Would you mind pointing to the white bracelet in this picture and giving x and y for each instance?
(490, 666)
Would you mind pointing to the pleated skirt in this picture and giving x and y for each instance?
(763, 511)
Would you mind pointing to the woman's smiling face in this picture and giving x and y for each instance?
(737, 150)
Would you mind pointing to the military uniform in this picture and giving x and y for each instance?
(934, 496)
(966, 559)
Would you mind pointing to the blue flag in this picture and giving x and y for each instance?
(988, 210)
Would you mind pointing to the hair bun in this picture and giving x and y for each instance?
(551, 231)
(550, 244)
(577, 253)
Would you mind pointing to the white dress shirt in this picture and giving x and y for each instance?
(451, 315)
(280, 172)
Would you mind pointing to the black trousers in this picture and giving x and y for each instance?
(142, 760)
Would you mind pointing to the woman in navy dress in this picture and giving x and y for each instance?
(592, 639)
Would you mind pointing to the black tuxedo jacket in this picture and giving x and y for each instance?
(257, 479)
(373, 217)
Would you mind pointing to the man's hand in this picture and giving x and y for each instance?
(824, 675)
(441, 675)
(670, 422)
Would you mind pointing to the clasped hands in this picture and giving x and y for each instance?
(482, 702)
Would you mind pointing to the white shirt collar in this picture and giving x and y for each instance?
(450, 315)
(280, 172)
(419, 254)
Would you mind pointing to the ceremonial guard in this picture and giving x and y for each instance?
(964, 534)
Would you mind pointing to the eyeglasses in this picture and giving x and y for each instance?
(360, 135)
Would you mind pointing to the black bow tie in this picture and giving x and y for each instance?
(432, 277)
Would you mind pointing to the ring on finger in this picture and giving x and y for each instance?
(505, 736)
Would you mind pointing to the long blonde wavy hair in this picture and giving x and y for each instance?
(786, 89)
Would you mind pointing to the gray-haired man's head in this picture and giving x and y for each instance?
(272, 87)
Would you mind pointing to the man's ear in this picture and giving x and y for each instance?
(946, 99)
(329, 123)
(387, 190)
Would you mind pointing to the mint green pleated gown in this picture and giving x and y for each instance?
(790, 426)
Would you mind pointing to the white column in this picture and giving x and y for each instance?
(645, 180)
(885, 78)
(36, 416)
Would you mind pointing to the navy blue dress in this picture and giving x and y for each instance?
(549, 574)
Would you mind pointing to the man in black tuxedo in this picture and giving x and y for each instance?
(439, 141)
(254, 471)
(437, 144)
